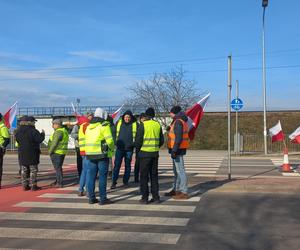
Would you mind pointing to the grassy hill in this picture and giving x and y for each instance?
(212, 131)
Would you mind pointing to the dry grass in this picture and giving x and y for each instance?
(212, 131)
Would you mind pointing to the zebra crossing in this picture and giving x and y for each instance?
(278, 163)
(127, 221)
(197, 166)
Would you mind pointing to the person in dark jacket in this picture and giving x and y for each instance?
(149, 139)
(178, 142)
(29, 140)
(125, 137)
(142, 117)
(113, 132)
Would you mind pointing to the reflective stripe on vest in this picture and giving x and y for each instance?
(62, 146)
(134, 126)
(185, 143)
(151, 136)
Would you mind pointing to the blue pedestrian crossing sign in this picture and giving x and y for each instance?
(236, 104)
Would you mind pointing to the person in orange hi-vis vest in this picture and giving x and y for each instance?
(178, 143)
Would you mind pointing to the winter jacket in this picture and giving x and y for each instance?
(178, 131)
(124, 141)
(29, 140)
(139, 142)
(74, 135)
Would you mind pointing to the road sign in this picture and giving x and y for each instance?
(236, 104)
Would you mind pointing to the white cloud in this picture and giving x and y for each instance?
(108, 56)
(10, 74)
(19, 57)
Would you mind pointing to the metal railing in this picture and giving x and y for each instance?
(68, 111)
(255, 143)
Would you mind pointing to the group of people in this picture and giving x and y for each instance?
(97, 139)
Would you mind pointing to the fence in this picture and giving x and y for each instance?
(67, 111)
(255, 143)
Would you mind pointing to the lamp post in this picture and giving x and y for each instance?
(264, 5)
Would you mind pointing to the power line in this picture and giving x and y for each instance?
(143, 64)
(145, 74)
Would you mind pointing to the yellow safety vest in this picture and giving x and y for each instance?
(81, 138)
(134, 126)
(62, 146)
(151, 136)
(98, 140)
(4, 133)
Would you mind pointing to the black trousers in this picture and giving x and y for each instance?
(136, 168)
(1, 164)
(57, 162)
(79, 161)
(149, 168)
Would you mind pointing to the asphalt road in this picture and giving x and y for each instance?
(255, 212)
(218, 221)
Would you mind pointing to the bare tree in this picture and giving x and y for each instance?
(164, 90)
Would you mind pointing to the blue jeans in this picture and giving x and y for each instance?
(120, 154)
(84, 174)
(180, 178)
(93, 167)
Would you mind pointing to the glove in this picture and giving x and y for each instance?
(3, 150)
(173, 155)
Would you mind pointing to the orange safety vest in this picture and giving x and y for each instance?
(185, 143)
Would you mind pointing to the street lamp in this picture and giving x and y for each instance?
(264, 5)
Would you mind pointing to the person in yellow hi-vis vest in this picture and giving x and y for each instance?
(58, 148)
(99, 145)
(125, 137)
(149, 139)
(4, 141)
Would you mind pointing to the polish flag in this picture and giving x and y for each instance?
(295, 136)
(276, 132)
(195, 114)
(80, 119)
(117, 114)
(10, 115)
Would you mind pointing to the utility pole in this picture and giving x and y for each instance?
(228, 116)
(264, 5)
(237, 144)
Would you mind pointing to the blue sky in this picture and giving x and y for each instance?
(52, 52)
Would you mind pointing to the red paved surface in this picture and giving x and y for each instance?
(13, 193)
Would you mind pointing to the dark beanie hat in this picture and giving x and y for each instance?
(175, 110)
(150, 112)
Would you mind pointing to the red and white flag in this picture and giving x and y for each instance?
(10, 115)
(295, 136)
(117, 114)
(80, 119)
(195, 114)
(276, 132)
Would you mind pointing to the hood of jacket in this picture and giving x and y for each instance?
(25, 127)
(95, 121)
(181, 115)
(128, 112)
